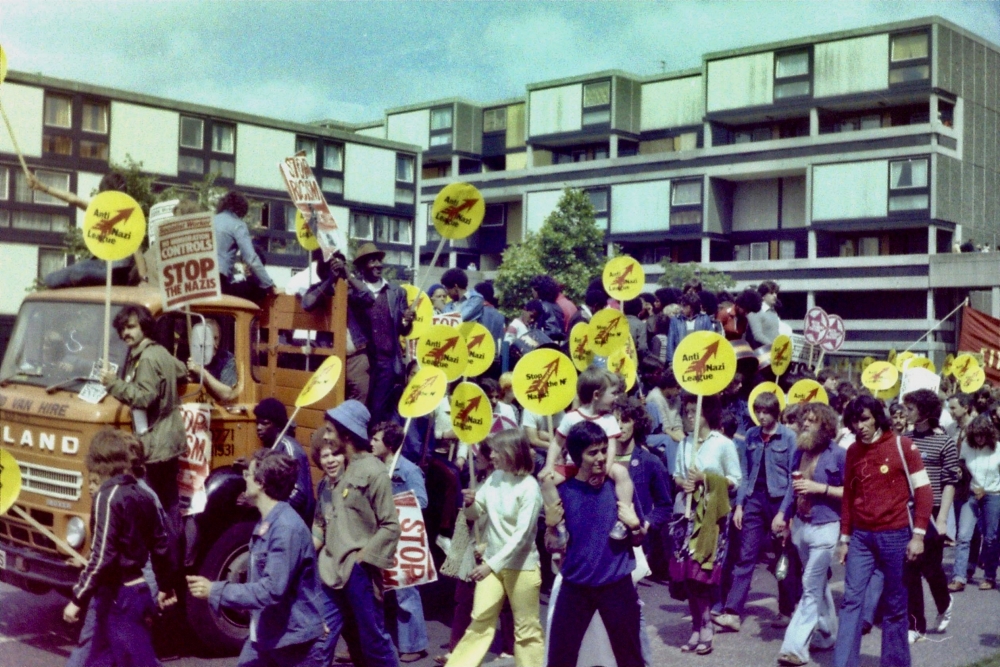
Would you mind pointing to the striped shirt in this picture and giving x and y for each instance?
(940, 456)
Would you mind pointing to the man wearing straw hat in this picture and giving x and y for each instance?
(387, 319)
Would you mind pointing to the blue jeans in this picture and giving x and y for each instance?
(758, 512)
(816, 612)
(358, 613)
(121, 634)
(410, 625)
(984, 512)
(869, 551)
(295, 655)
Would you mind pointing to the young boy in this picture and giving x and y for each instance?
(596, 391)
(127, 531)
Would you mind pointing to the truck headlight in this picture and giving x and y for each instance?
(76, 530)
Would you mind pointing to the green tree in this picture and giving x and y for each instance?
(569, 247)
(675, 275)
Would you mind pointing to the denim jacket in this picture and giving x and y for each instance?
(830, 465)
(777, 456)
(282, 594)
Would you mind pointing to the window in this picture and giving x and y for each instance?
(223, 168)
(4, 183)
(40, 222)
(440, 139)
(404, 168)
(95, 118)
(309, 146)
(333, 185)
(908, 185)
(495, 215)
(596, 94)
(393, 230)
(361, 226)
(290, 212)
(399, 257)
(333, 157)
(792, 74)
(190, 164)
(192, 133)
(58, 111)
(752, 252)
(597, 116)
(786, 249)
(495, 120)
(599, 200)
(52, 179)
(94, 150)
(441, 119)
(685, 193)
(223, 138)
(57, 143)
(49, 260)
(909, 57)
(405, 196)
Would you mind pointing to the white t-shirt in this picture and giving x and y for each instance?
(607, 422)
(539, 423)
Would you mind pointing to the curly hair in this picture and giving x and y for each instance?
(233, 202)
(981, 434)
(633, 410)
(826, 418)
(856, 408)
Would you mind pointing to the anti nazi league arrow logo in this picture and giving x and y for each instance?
(464, 416)
(700, 365)
(540, 385)
(604, 333)
(452, 214)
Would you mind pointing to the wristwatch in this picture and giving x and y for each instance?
(845, 539)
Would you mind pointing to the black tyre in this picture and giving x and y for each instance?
(228, 559)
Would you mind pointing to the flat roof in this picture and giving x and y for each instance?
(431, 104)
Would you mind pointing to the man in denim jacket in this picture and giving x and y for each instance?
(282, 595)
(770, 448)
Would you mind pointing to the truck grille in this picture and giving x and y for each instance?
(18, 531)
(53, 482)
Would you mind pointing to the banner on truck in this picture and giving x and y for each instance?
(187, 260)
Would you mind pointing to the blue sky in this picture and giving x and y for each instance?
(350, 61)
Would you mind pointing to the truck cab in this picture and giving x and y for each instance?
(57, 341)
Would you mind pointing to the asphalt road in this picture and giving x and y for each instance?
(32, 633)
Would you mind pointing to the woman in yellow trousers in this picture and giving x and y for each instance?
(511, 500)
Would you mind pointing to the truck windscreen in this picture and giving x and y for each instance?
(55, 341)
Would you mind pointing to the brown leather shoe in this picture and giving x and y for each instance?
(956, 586)
(987, 585)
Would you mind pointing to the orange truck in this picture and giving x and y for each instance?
(46, 426)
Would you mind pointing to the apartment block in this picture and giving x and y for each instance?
(845, 166)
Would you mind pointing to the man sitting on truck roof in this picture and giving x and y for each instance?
(272, 416)
(233, 239)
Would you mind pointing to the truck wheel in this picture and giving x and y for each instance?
(227, 560)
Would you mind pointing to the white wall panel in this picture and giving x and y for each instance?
(378, 132)
(746, 81)
(672, 103)
(370, 175)
(851, 65)
(86, 185)
(16, 282)
(556, 110)
(25, 106)
(540, 205)
(852, 190)
(149, 135)
(412, 127)
(640, 207)
(342, 216)
(755, 205)
(258, 152)
(793, 202)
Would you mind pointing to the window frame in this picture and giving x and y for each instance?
(679, 210)
(795, 78)
(180, 137)
(339, 147)
(371, 226)
(503, 216)
(300, 140)
(411, 161)
(49, 250)
(222, 125)
(45, 110)
(495, 110)
(4, 182)
(599, 114)
(911, 63)
(38, 197)
(898, 192)
(107, 117)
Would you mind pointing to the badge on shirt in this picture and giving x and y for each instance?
(263, 528)
(345, 492)
(884, 469)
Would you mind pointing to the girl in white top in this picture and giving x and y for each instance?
(982, 458)
(511, 500)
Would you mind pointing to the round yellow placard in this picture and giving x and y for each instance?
(879, 376)
(579, 346)
(304, 235)
(545, 381)
(471, 413)
(458, 211)
(704, 363)
(623, 278)
(900, 361)
(481, 347)
(964, 363)
(621, 363)
(920, 362)
(807, 391)
(972, 380)
(765, 387)
(114, 226)
(608, 331)
(321, 382)
(947, 366)
(424, 311)
(888, 394)
(781, 355)
(443, 347)
(423, 393)
(3, 75)
(10, 481)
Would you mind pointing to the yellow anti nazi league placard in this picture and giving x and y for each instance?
(471, 413)
(608, 331)
(807, 391)
(579, 346)
(10, 481)
(458, 211)
(321, 382)
(304, 235)
(781, 355)
(443, 347)
(964, 363)
(423, 312)
(972, 380)
(545, 381)
(114, 226)
(623, 278)
(879, 376)
(481, 347)
(947, 366)
(423, 393)
(621, 363)
(704, 363)
(768, 388)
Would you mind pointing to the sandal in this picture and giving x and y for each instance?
(704, 648)
(956, 586)
(987, 585)
(692, 644)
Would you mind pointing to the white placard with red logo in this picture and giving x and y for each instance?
(308, 198)
(196, 461)
(826, 331)
(187, 260)
(412, 564)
